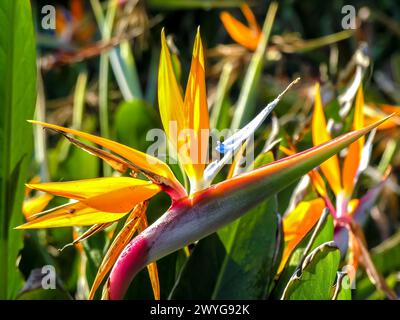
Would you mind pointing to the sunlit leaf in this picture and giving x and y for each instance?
(18, 93)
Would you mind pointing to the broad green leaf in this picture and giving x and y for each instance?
(316, 278)
(17, 101)
(206, 259)
(325, 234)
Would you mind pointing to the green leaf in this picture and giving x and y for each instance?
(133, 120)
(220, 110)
(316, 277)
(17, 100)
(324, 234)
(342, 287)
(386, 257)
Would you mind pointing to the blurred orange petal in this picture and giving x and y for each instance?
(245, 36)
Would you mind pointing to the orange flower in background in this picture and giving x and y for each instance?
(373, 112)
(73, 24)
(247, 36)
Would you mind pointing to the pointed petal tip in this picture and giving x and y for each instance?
(163, 37)
(290, 85)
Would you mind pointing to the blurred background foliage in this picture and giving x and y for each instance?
(97, 73)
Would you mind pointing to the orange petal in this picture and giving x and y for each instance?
(77, 9)
(86, 188)
(35, 179)
(34, 205)
(122, 200)
(69, 215)
(330, 167)
(247, 37)
(318, 182)
(149, 165)
(152, 267)
(389, 108)
(316, 179)
(118, 194)
(353, 158)
(170, 100)
(196, 113)
(352, 206)
(378, 112)
(298, 223)
(251, 19)
(119, 243)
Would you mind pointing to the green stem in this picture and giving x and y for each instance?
(246, 102)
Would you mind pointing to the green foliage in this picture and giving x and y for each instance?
(315, 278)
(320, 234)
(17, 100)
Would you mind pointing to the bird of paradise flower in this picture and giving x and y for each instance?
(348, 211)
(192, 216)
